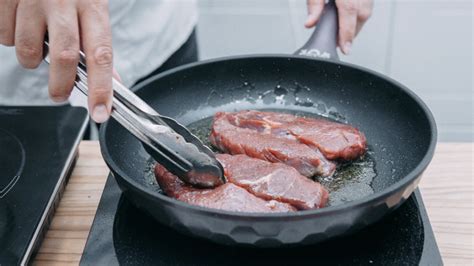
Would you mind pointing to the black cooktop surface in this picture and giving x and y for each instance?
(122, 234)
(37, 148)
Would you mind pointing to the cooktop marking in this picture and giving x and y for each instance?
(4, 191)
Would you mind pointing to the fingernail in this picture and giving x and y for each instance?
(310, 20)
(100, 114)
(116, 75)
(347, 48)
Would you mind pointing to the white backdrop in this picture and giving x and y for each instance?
(425, 44)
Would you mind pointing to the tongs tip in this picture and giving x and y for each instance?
(207, 177)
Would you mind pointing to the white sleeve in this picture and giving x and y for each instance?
(145, 34)
(19, 86)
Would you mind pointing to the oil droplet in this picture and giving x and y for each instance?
(279, 91)
(279, 98)
(297, 89)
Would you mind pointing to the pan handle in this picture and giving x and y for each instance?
(323, 41)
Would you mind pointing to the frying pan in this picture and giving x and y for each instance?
(399, 128)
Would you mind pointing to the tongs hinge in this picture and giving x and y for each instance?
(168, 142)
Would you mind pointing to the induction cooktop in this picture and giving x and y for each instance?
(122, 234)
(38, 146)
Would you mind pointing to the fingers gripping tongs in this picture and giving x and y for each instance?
(168, 142)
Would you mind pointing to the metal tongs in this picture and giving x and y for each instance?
(168, 142)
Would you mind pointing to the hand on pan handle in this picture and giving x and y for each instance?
(352, 16)
(70, 24)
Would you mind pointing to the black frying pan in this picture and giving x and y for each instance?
(399, 127)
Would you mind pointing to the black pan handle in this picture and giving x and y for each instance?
(323, 41)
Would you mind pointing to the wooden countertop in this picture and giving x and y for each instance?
(447, 189)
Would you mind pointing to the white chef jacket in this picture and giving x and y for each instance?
(145, 34)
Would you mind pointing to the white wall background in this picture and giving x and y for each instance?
(425, 44)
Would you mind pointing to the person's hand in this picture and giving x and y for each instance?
(352, 16)
(71, 24)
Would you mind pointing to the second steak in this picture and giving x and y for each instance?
(273, 181)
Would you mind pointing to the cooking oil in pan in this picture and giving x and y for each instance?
(246, 96)
(351, 181)
(150, 175)
(202, 130)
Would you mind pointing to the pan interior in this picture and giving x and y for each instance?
(396, 126)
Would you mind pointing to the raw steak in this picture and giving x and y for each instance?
(255, 142)
(273, 181)
(226, 197)
(335, 140)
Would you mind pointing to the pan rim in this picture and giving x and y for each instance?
(376, 197)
